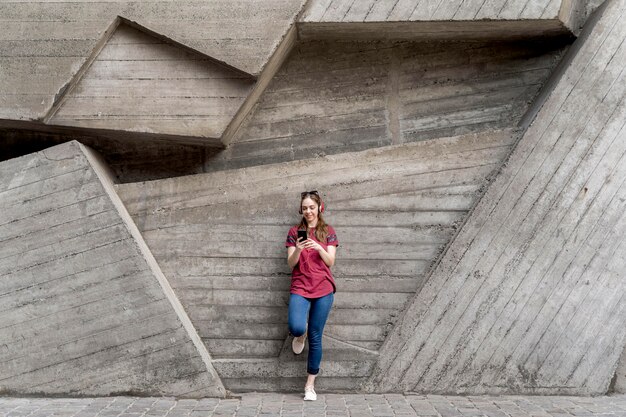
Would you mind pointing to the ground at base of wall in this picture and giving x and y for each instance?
(278, 404)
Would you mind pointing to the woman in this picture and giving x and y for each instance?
(312, 284)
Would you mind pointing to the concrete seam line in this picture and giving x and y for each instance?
(273, 65)
(69, 87)
(107, 183)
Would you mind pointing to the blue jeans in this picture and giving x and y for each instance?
(317, 310)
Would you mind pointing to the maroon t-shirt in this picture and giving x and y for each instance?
(311, 277)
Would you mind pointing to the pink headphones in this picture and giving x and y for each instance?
(320, 208)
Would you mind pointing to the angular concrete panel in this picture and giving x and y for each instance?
(84, 308)
(529, 296)
(140, 83)
(443, 19)
(44, 44)
(334, 97)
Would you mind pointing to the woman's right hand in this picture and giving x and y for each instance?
(300, 244)
(293, 254)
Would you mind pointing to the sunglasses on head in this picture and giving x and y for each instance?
(309, 192)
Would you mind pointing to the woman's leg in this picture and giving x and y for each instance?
(298, 312)
(320, 308)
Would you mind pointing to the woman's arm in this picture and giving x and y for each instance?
(327, 255)
(293, 256)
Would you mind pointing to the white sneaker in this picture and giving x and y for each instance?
(309, 394)
(297, 344)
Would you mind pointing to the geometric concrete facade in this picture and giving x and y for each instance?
(129, 87)
(333, 97)
(44, 45)
(471, 155)
(439, 19)
(85, 309)
(219, 238)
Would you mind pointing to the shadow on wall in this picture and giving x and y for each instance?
(332, 97)
(130, 160)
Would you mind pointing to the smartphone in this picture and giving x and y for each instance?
(302, 234)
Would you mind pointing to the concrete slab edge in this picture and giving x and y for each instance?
(560, 69)
(434, 30)
(105, 178)
(67, 89)
(266, 76)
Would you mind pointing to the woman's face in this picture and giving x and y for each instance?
(309, 209)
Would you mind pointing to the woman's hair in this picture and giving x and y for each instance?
(321, 230)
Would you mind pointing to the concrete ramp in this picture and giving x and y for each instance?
(84, 309)
(529, 297)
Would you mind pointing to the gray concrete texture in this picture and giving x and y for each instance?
(328, 98)
(219, 238)
(140, 83)
(441, 19)
(406, 10)
(620, 375)
(46, 48)
(529, 296)
(44, 45)
(82, 305)
(332, 97)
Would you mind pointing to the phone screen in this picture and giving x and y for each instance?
(302, 234)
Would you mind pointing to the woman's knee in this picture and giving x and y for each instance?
(297, 330)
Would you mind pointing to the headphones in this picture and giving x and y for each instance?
(320, 209)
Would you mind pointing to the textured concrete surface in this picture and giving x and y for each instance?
(327, 405)
(439, 10)
(529, 296)
(219, 238)
(620, 375)
(83, 305)
(328, 98)
(140, 83)
(443, 19)
(43, 45)
(333, 97)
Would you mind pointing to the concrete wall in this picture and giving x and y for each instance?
(620, 376)
(529, 296)
(328, 98)
(463, 19)
(140, 83)
(333, 97)
(44, 44)
(405, 10)
(84, 308)
(526, 298)
(219, 239)
(443, 19)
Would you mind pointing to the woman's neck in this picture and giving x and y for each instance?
(312, 225)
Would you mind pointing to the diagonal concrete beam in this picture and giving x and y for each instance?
(106, 178)
(528, 298)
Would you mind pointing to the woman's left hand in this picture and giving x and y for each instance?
(311, 244)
